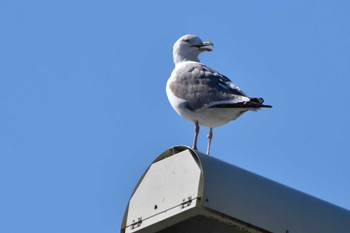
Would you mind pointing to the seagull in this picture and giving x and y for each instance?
(202, 95)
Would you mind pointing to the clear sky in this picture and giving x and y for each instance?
(83, 109)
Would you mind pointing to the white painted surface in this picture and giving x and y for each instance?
(164, 187)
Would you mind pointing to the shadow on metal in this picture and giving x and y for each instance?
(185, 191)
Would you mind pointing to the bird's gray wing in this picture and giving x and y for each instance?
(203, 87)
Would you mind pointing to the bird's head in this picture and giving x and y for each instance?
(188, 48)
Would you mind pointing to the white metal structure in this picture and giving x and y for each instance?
(186, 191)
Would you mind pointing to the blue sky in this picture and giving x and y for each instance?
(84, 110)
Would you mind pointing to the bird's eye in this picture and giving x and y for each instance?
(187, 40)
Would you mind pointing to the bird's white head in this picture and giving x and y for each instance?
(188, 48)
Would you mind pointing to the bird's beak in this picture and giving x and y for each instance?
(202, 45)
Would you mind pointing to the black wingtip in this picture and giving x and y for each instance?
(242, 105)
(254, 103)
(265, 106)
(258, 103)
